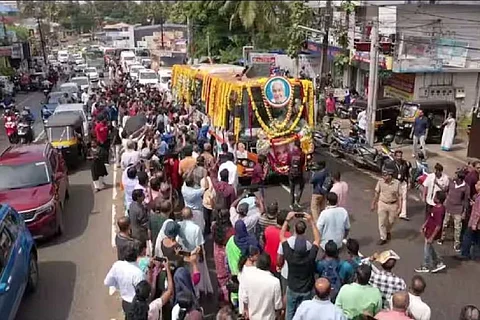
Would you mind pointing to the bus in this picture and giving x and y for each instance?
(266, 114)
(95, 58)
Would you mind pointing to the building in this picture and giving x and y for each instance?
(167, 36)
(438, 53)
(120, 35)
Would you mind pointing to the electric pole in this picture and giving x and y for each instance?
(42, 40)
(208, 46)
(323, 62)
(372, 81)
(189, 39)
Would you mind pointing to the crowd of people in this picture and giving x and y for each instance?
(181, 194)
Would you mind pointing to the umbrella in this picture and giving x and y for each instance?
(135, 123)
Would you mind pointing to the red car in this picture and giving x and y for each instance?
(34, 181)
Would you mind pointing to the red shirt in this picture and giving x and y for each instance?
(272, 242)
(330, 105)
(434, 220)
(257, 174)
(101, 132)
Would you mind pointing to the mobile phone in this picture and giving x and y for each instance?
(184, 253)
(299, 215)
(160, 259)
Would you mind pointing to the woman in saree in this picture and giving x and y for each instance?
(448, 132)
(222, 231)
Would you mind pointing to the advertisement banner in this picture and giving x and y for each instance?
(17, 51)
(6, 51)
(385, 62)
(261, 58)
(452, 53)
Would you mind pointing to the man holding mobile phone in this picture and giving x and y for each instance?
(300, 259)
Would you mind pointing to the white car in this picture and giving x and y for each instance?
(147, 76)
(134, 69)
(76, 108)
(92, 73)
(81, 82)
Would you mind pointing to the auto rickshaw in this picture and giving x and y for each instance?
(435, 110)
(65, 132)
(386, 115)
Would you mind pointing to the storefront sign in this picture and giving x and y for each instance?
(385, 62)
(6, 51)
(17, 51)
(256, 58)
(401, 86)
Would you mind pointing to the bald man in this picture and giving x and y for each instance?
(418, 309)
(400, 302)
(320, 307)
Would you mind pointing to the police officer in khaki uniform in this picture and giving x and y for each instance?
(387, 203)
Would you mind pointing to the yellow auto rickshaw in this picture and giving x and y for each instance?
(65, 132)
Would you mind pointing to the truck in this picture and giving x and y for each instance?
(94, 58)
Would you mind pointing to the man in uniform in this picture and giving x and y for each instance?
(387, 202)
(402, 174)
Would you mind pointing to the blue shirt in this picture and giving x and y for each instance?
(348, 268)
(332, 224)
(318, 178)
(420, 126)
(316, 309)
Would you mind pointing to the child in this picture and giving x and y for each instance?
(431, 230)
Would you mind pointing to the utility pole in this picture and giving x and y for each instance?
(189, 38)
(162, 31)
(42, 40)
(208, 45)
(372, 81)
(328, 23)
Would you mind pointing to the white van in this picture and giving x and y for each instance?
(165, 76)
(62, 56)
(126, 58)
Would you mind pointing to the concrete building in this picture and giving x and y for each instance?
(174, 36)
(120, 35)
(438, 53)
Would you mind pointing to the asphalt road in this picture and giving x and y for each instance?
(73, 266)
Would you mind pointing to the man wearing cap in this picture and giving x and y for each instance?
(385, 280)
(387, 202)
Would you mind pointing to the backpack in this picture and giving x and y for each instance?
(330, 272)
(327, 183)
(296, 166)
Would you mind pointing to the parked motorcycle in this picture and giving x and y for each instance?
(11, 128)
(371, 157)
(25, 132)
(342, 145)
(419, 172)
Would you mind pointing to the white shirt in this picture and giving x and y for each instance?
(250, 220)
(362, 120)
(128, 187)
(261, 291)
(129, 157)
(85, 97)
(124, 276)
(418, 309)
(155, 309)
(232, 173)
(433, 184)
(332, 225)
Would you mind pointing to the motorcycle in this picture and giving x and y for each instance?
(419, 172)
(373, 158)
(11, 129)
(342, 145)
(25, 132)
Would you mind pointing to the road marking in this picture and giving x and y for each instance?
(285, 187)
(114, 207)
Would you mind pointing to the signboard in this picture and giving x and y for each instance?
(401, 86)
(6, 51)
(17, 51)
(385, 62)
(263, 58)
(452, 53)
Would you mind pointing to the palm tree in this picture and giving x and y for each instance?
(253, 15)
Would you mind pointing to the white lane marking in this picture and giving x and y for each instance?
(285, 187)
(40, 136)
(114, 207)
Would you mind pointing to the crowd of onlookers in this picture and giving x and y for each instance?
(181, 193)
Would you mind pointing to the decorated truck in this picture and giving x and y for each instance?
(266, 114)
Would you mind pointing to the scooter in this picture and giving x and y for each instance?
(419, 172)
(25, 132)
(342, 145)
(11, 129)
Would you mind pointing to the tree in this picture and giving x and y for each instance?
(300, 15)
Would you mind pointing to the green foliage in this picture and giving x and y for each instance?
(300, 14)
(21, 32)
(7, 71)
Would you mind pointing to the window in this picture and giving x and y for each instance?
(22, 176)
(12, 222)
(6, 246)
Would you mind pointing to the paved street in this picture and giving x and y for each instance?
(73, 266)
